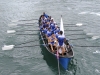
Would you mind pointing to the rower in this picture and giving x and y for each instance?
(48, 34)
(52, 41)
(43, 18)
(45, 15)
(44, 30)
(61, 39)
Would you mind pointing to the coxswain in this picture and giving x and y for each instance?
(61, 40)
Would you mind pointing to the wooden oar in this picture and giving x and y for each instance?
(74, 34)
(58, 62)
(26, 34)
(14, 31)
(28, 20)
(23, 20)
(73, 30)
(10, 47)
(26, 24)
(77, 39)
(70, 26)
(77, 24)
(84, 46)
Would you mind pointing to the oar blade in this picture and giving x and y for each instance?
(10, 31)
(8, 47)
(79, 24)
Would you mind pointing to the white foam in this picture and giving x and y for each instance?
(96, 51)
(11, 31)
(92, 13)
(83, 12)
(79, 24)
(7, 47)
(95, 37)
(97, 71)
(98, 14)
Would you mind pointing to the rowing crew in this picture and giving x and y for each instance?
(53, 34)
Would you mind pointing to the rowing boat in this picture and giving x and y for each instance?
(65, 59)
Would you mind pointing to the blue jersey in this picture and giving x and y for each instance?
(45, 31)
(57, 35)
(57, 30)
(61, 40)
(52, 26)
(46, 15)
(48, 33)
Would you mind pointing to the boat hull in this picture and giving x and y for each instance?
(64, 62)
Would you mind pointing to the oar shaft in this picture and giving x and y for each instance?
(77, 39)
(73, 30)
(30, 46)
(85, 46)
(58, 62)
(28, 20)
(26, 34)
(75, 34)
(25, 46)
(72, 26)
(30, 41)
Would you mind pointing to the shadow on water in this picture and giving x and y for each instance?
(52, 62)
(49, 58)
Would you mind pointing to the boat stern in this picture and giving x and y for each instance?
(64, 62)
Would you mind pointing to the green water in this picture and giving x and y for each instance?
(35, 60)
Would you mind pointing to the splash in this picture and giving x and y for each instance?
(97, 71)
(94, 13)
(7, 47)
(83, 12)
(98, 14)
(96, 51)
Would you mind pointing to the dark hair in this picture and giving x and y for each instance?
(48, 28)
(52, 32)
(61, 32)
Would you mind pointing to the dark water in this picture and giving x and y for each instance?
(34, 60)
